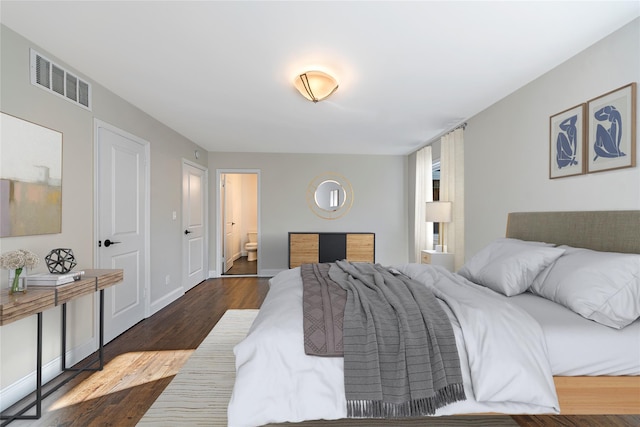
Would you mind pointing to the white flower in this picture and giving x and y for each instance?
(18, 259)
(30, 259)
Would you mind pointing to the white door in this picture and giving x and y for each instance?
(236, 215)
(227, 186)
(122, 224)
(194, 249)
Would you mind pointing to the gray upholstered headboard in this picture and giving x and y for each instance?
(610, 231)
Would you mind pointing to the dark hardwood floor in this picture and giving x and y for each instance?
(141, 362)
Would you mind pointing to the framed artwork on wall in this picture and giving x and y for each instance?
(566, 142)
(30, 178)
(611, 139)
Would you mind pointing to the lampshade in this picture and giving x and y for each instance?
(437, 212)
(315, 85)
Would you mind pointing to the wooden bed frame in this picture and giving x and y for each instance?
(611, 231)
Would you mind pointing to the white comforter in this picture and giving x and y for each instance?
(502, 354)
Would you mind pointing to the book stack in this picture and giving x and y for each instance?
(46, 279)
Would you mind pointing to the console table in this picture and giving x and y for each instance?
(38, 299)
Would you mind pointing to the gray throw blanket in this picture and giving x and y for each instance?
(323, 302)
(400, 355)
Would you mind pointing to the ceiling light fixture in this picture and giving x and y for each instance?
(315, 85)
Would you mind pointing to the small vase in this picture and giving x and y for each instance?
(18, 284)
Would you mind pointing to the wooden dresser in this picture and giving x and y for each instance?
(309, 247)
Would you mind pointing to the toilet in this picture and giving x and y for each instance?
(252, 246)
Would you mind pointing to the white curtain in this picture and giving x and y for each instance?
(452, 190)
(424, 193)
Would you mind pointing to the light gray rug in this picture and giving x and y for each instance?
(199, 394)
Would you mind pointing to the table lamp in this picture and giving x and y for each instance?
(439, 212)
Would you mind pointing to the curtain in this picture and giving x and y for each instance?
(452, 190)
(424, 193)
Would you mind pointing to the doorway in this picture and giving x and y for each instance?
(238, 245)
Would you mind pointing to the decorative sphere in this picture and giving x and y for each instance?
(60, 261)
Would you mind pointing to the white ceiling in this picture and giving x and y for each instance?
(220, 73)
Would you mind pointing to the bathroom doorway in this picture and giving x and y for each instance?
(238, 224)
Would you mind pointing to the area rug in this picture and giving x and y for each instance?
(200, 393)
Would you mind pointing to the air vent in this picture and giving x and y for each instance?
(50, 76)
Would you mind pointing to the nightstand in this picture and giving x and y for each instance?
(444, 259)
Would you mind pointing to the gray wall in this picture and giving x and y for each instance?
(507, 145)
(380, 201)
(20, 98)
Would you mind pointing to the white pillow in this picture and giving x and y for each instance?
(509, 266)
(601, 286)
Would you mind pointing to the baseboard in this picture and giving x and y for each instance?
(165, 300)
(27, 384)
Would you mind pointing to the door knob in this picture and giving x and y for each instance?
(108, 243)
(187, 232)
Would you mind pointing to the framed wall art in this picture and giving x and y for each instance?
(30, 178)
(611, 140)
(566, 142)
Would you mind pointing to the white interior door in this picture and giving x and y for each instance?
(194, 220)
(236, 215)
(122, 221)
(227, 185)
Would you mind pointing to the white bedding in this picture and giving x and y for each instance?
(607, 351)
(505, 368)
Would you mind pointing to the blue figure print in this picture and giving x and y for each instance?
(607, 143)
(566, 144)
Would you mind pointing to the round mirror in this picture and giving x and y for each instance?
(329, 195)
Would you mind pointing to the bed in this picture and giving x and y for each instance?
(553, 370)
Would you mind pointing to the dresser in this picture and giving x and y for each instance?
(310, 247)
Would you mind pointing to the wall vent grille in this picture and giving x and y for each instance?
(51, 77)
